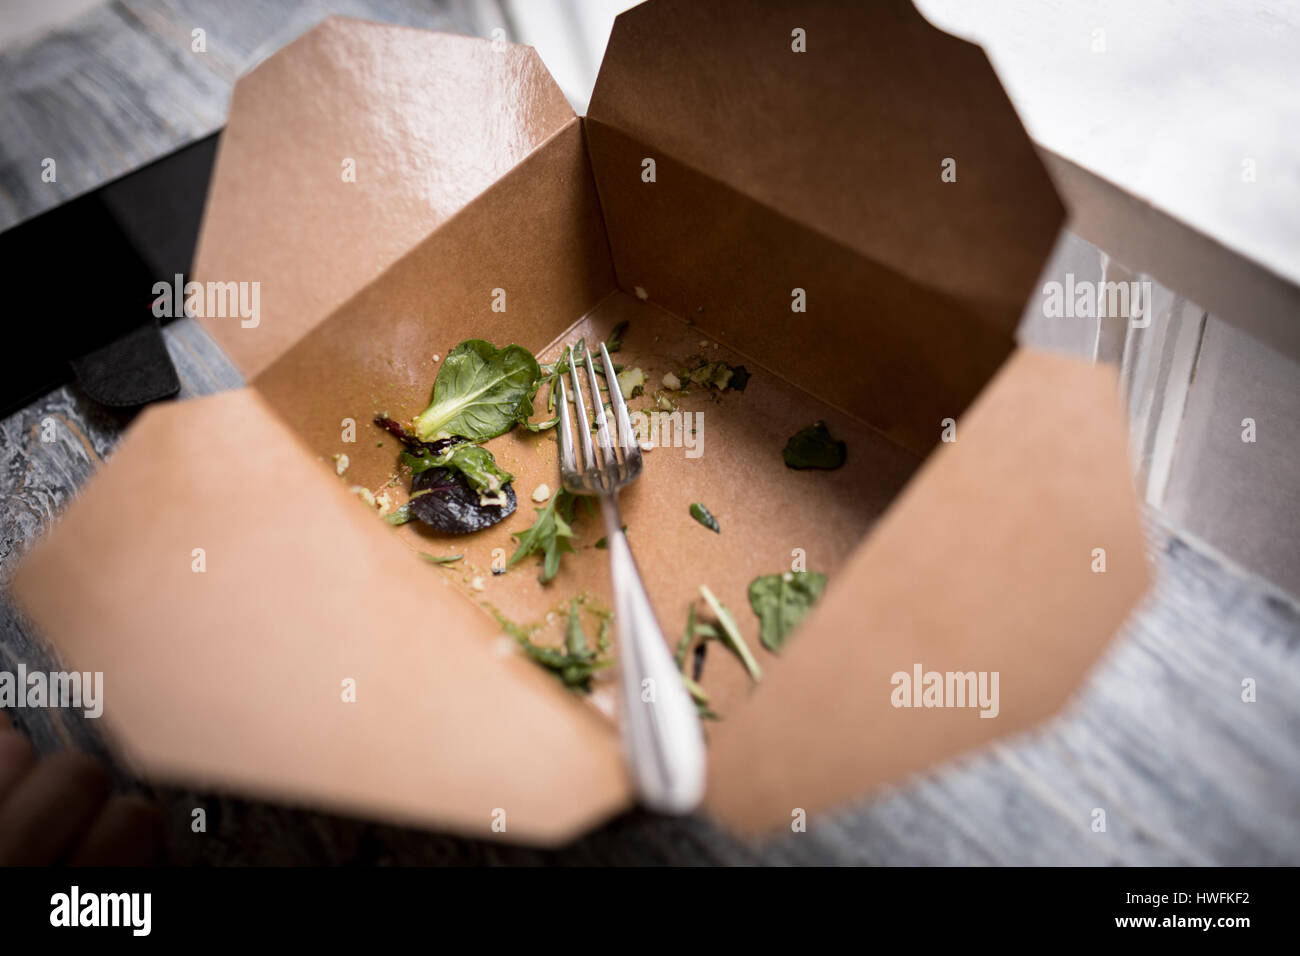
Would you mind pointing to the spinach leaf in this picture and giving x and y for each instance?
(550, 534)
(481, 392)
(813, 447)
(704, 517)
(781, 601)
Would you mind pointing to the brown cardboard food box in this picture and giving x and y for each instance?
(227, 581)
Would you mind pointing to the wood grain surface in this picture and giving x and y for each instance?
(1159, 737)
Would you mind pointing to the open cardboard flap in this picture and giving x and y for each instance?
(986, 562)
(349, 146)
(773, 174)
(233, 675)
(913, 288)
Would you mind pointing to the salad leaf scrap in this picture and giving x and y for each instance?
(551, 535)
(813, 447)
(705, 517)
(781, 601)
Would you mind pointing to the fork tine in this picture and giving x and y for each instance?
(568, 466)
(598, 409)
(626, 439)
(580, 412)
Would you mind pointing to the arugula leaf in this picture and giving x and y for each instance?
(481, 392)
(575, 664)
(550, 534)
(813, 447)
(704, 517)
(781, 601)
(399, 515)
(560, 367)
(731, 634)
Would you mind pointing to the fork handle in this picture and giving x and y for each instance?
(662, 739)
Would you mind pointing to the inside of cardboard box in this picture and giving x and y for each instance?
(380, 354)
(771, 517)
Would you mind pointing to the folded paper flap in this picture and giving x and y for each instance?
(1012, 557)
(722, 87)
(235, 596)
(345, 149)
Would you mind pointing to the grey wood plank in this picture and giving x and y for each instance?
(121, 86)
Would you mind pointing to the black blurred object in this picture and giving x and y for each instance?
(97, 259)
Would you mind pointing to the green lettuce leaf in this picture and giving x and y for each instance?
(481, 392)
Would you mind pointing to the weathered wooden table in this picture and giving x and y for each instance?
(1159, 737)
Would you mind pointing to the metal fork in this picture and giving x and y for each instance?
(662, 739)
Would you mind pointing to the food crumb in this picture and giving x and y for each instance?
(641, 293)
(704, 343)
(340, 464)
(672, 382)
(437, 358)
(364, 493)
(542, 492)
(478, 584)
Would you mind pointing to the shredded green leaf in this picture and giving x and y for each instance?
(705, 517)
(731, 634)
(550, 535)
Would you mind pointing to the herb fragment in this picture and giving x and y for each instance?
(698, 694)
(551, 535)
(554, 371)
(603, 543)
(441, 558)
(731, 634)
(813, 447)
(718, 376)
(575, 664)
(615, 340)
(781, 601)
(704, 517)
